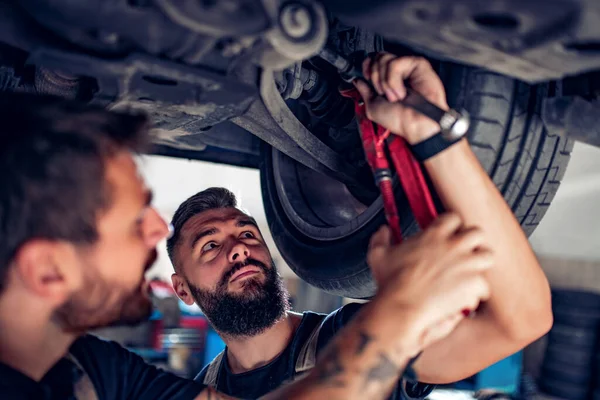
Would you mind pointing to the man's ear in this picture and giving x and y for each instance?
(181, 289)
(49, 269)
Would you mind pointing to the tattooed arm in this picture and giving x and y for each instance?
(364, 361)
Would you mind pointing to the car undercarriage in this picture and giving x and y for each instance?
(237, 81)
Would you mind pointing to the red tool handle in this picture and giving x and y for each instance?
(407, 167)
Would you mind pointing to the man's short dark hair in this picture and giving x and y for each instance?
(209, 199)
(52, 168)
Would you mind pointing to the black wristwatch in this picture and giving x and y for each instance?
(432, 146)
(454, 127)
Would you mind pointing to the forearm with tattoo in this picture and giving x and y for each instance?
(365, 360)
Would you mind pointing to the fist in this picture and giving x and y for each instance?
(433, 276)
(390, 76)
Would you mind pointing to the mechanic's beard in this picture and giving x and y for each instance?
(247, 314)
(102, 304)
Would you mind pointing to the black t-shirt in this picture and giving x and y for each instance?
(260, 381)
(115, 372)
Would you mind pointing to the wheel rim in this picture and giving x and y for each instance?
(320, 207)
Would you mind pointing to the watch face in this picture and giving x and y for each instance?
(459, 127)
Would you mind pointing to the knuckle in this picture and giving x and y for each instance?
(488, 260)
(398, 65)
(375, 255)
(482, 289)
(422, 60)
(473, 238)
(441, 220)
(449, 219)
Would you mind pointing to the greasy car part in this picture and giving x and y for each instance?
(575, 376)
(20, 31)
(57, 83)
(226, 136)
(290, 81)
(526, 39)
(569, 356)
(576, 300)
(217, 18)
(567, 335)
(8, 80)
(300, 33)
(175, 95)
(321, 95)
(119, 27)
(279, 33)
(327, 247)
(578, 309)
(272, 121)
(564, 390)
(326, 103)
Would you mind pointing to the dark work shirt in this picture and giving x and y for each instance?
(115, 372)
(260, 381)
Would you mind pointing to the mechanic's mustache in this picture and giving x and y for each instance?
(236, 267)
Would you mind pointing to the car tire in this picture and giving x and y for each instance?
(582, 338)
(576, 299)
(578, 318)
(575, 376)
(564, 390)
(575, 308)
(569, 356)
(524, 160)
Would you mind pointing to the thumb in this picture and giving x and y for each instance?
(381, 238)
(378, 247)
(364, 90)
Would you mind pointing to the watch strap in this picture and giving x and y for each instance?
(430, 147)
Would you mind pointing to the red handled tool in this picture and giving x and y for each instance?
(375, 139)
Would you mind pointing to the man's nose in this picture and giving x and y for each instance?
(156, 227)
(239, 253)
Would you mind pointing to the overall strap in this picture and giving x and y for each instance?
(212, 373)
(84, 388)
(307, 357)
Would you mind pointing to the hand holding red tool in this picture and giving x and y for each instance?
(453, 126)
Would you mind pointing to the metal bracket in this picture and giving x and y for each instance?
(272, 121)
(173, 93)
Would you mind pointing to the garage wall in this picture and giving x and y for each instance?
(571, 273)
(571, 227)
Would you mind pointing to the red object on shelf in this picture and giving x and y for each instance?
(157, 329)
(199, 322)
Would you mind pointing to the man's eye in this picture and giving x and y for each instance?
(209, 246)
(247, 235)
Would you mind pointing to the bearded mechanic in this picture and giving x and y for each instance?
(78, 232)
(223, 265)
